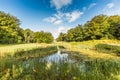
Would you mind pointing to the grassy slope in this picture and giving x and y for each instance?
(11, 49)
(22, 52)
(87, 48)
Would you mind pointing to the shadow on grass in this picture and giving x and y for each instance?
(34, 53)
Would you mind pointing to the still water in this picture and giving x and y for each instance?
(57, 58)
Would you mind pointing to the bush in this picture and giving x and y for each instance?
(108, 48)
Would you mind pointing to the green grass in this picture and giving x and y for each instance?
(12, 49)
(94, 70)
(87, 48)
(108, 48)
(91, 64)
(24, 52)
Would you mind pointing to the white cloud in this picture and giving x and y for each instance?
(60, 3)
(111, 9)
(50, 19)
(58, 22)
(73, 16)
(53, 20)
(91, 5)
(112, 12)
(60, 17)
(110, 5)
(60, 29)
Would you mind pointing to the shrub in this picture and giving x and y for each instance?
(108, 48)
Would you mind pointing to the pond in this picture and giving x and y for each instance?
(57, 57)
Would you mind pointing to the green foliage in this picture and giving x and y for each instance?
(28, 36)
(42, 70)
(114, 29)
(43, 37)
(10, 32)
(11, 67)
(108, 48)
(35, 52)
(61, 37)
(74, 34)
(99, 27)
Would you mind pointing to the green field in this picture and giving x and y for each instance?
(91, 64)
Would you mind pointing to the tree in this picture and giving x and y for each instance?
(28, 36)
(75, 34)
(97, 28)
(61, 37)
(114, 29)
(9, 29)
(43, 37)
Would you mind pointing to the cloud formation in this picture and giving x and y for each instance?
(60, 17)
(57, 22)
(50, 19)
(92, 5)
(89, 7)
(60, 29)
(111, 9)
(73, 16)
(58, 4)
(110, 5)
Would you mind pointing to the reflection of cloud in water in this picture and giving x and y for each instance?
(57, 57)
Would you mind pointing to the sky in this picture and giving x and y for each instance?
(57, 16)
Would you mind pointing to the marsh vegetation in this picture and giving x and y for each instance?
(88, 52)
(69, 63)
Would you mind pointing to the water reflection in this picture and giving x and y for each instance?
(57, 57)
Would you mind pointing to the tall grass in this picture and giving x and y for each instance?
(24, 64)
(8, 61)
(87, 48)
(108, 48)
(12, 49)
(94, 70)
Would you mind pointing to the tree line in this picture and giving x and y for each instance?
(10, 32)
(99, 27)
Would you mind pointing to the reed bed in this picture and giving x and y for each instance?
(25, 62)
(11, 49)
(42, 70)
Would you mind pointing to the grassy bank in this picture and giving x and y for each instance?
(91, 64)
(93, 70)
(101, 63)
(87, 48)
(12, 49)
(18, 54)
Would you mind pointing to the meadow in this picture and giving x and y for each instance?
(22, 61)
(87, 48)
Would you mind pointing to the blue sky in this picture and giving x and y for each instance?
(57, 16)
